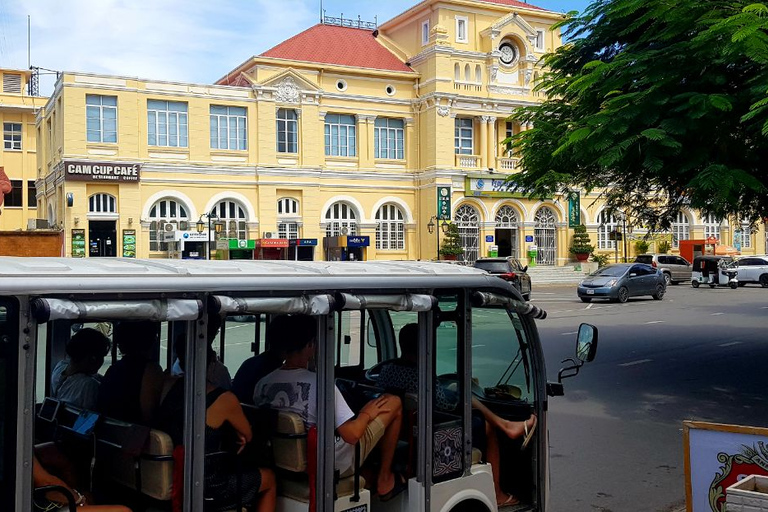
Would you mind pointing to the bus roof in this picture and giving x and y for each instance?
(35, 276)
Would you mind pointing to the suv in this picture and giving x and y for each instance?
(752, 269)
(676, 269)
(510, 269)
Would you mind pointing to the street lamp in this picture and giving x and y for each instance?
(431, 228)
(217, 226)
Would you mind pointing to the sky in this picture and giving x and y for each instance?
(194, 41)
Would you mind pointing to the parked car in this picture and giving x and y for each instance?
(510, 269)
(752, 269)
(620, 281)
(676, 268)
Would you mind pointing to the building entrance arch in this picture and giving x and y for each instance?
(545, 234)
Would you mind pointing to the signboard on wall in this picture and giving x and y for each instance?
(78, 170)
(78, 243)
(492, 186)
(443, 203)
(574, 210)
(717, 456)
(129, 243)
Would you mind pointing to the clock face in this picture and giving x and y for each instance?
(508, 53)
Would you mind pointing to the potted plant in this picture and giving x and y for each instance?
(581, 246)
(641, 247)
(451, 247)
(663, 247)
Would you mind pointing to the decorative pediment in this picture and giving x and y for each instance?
(510, 19)
(289, 86)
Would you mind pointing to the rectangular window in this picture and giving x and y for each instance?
(742, 236)
(424, 32)
(463, 136)
(461, 29)
(228, 128)
(540, 40)
(340, 135)
(16, 196)
(389, 138)
(167, 123)
(288, 230)
(101, 118)
(12, 136)
(31, 194)
(509, 132)
(287, 131)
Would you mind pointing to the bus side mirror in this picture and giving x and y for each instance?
(586, 347)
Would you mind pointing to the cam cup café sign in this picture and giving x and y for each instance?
(101, 171)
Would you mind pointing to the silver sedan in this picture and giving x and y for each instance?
(620, 281)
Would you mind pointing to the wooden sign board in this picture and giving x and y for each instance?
(718, 455)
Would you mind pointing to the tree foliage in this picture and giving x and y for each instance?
(662, 105)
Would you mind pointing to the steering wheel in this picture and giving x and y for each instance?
(372, 373)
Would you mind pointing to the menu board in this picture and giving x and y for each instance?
(129, 243)
(78, 243)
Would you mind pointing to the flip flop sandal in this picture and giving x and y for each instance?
(400, 485)
(528, 434)
(509, 502)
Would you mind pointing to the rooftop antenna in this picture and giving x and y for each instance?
(29, 41)
(322, 12)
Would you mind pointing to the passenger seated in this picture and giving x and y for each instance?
(224, 415)
(76, 380)
(130, 390)
(292, 388)
(54, 500)
(402, 374)
(257, 367)
(218, 374)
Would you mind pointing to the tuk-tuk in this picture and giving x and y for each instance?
(714, 271)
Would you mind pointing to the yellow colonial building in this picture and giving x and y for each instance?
(18, 160)
(346, 141)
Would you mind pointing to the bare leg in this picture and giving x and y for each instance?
(494, 459)
(512, 429)
(392, 420)
(268, 498)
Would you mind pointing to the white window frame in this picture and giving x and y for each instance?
(390, 228)
(425, 33)
(287, 218)
(229, 127)
(540, 40)
(287, 125)
(102, 203)
(233, 215)
(461, 125)
(97, 110)
(711, 226)
(606, 223)
(338, 216)
(743, 234)
(459, 21)
(175, 213)
(12, 136)
(681, 229)
(343, 133)
(164, 119)
(392, 131)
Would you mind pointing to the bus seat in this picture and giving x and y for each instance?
(155, 467)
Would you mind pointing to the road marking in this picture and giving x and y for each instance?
(639, 361)
(589, 306)
(717, 314)
(654, 322)
(569, 333)
(732, 343)
(764, 307)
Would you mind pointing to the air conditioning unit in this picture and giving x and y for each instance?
(169, 227)
(38, 224)
(268, 234)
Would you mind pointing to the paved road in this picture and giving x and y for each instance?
(616, 436)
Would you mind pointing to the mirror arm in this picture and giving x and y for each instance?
(569, 371)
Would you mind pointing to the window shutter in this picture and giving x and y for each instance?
(11, 83)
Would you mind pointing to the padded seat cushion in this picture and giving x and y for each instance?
(297, 487)
(290, 453)
(156, 476)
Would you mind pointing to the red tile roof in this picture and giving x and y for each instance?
(341, 46)
(514, 3)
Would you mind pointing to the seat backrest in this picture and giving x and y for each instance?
(289, 441)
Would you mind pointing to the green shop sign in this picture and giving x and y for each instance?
(574, 210)
(493, 186)
(235, 244)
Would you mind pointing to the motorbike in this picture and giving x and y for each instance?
(713, 271)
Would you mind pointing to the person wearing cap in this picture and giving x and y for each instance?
(76, 380)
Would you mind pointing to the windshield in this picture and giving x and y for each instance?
(609, 272)
(492, 266)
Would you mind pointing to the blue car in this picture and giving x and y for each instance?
(620, 281)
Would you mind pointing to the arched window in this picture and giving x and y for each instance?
(102, 203)
(165, 211)
(478, 74)
(468, 221)
(607, 224)
(507, 231)
(287, 218)
(390, 228)
(680, 229)
(467, 73)
(457, 72)
(711, 226)
(545, 235)
(233, 216)
(340, 217)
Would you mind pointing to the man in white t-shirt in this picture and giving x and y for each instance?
(292, 387)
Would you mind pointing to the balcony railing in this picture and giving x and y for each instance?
(467, 86)
(467, 161)
(507, 163)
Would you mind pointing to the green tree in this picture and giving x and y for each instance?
(451, 244)
(658, 105)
